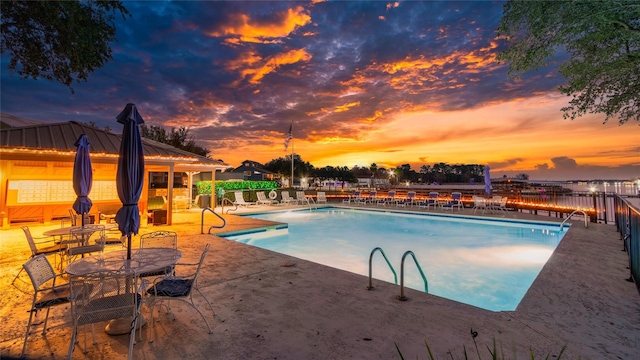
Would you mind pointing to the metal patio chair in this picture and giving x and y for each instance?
(37, 248)
(159, 239)
(46, 293)
(171, 287)
(85, 240)
(102, 296)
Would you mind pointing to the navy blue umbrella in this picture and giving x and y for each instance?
(487, 180)
(82, 177)
(130, 174)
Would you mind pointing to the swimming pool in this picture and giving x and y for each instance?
(485, 263)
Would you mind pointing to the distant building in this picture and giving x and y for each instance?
(249, 170)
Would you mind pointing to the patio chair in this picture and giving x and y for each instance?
(159, 239)
(112, 237)
(301, 198)
(73, 219)
(39, 248)
(101, 296)
(287, 199)
(321, 197)
(503, 204)
(46, 293)
(85, 240)
(432, 200)
(240, 199)
(179, 288)
(352, 198)
(262, 199)
(368, 199)
(455, 202)
(479, 203)
(387, 200)
(409, 200)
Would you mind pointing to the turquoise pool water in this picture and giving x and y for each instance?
(488, 264)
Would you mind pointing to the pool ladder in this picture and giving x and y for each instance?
(586, 218)
(400, 297)
(224, 222)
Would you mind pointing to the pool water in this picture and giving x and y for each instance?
(488, 264)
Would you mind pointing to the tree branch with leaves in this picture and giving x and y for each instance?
(597, 43)
(63, 41)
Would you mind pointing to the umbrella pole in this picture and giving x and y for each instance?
(129, 247)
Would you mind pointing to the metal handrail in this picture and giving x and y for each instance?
(309, 201)
(395, 276)
(224, 222)
(230, 202)
(401, 297)
(584, 213)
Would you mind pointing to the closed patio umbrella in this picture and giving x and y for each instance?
(130, 174)
(487, 180)
(82, 177)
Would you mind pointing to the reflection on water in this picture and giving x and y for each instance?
(486, 264)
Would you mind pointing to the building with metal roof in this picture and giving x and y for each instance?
(36, 165)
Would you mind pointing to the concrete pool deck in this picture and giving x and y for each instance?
(273, 306)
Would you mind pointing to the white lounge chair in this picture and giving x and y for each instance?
(321, 198)
(287, 199)
(479, 203)
(240, 199)
(301, 198)
(262, 199)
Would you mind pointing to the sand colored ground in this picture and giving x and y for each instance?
(265, 310)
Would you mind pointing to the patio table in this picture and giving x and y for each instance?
(88, 229)
(142, 260)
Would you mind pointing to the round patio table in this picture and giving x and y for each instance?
(67, 229)
(142, 260)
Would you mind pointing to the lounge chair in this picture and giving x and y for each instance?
(321, 198)
(455, 202)
(352, 198)
(287, 199)
(388, 200)
(262, 199)
(432, 200)
(409, 200)
(240, 199)
(369, 199)
(301, 198)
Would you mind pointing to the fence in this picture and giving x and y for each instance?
(628, 223)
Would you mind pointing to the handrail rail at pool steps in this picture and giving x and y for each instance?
(584, 213)
(224, 222)
(395, 276)
(401, 297)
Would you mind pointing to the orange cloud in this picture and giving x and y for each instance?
(346, 107)
(242, 28)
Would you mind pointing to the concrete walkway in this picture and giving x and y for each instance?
(272, 306)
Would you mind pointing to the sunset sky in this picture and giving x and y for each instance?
(362, 82)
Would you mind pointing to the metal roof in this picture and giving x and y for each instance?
(61, 137)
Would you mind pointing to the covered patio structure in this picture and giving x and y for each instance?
(36, 166)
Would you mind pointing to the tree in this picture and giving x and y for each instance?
(58, 40)
(282, 166)
(600, 41)
(179, 138)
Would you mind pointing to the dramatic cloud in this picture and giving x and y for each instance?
(362, 81)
